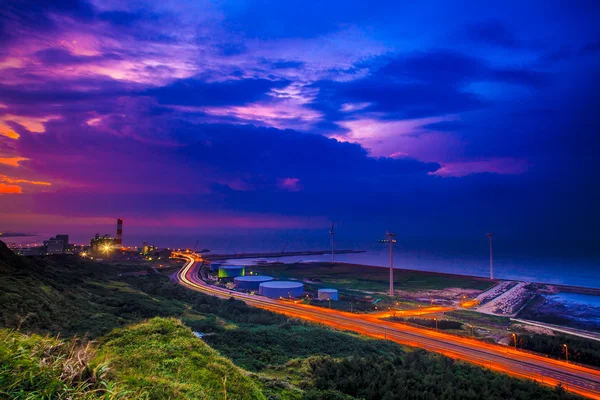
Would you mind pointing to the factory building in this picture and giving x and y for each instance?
(231, 271)
(281, 289)
(250, 282)
(162, 253)
(327, 294)
(57, 244)
(215, 266)
(100, 244)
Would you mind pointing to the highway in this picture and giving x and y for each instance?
(575, 378)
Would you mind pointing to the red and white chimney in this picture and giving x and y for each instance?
(119, 238)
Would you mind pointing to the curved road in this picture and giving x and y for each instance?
(575, 378)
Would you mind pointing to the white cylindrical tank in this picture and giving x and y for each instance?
(281, 289)
(327, 294)
(250, 282)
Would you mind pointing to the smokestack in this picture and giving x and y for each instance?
(119, 239)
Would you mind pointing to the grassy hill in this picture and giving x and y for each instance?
(157, 359)
(42, 367)
(164, 359)
(248, 352)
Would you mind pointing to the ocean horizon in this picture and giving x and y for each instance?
(575, 264)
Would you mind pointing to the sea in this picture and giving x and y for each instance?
(567, 263)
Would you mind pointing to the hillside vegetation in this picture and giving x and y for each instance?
(40, 367)
(164, 359)
(136, 355)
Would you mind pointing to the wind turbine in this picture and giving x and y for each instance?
(389, 238)
(331, 233)
(490, 235)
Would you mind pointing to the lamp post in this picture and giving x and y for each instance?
(436, 324)
(566, 352)
(472, 333)
(515, 340)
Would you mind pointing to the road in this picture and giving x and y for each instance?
(575, 378)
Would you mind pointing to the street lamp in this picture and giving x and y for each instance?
(471, 326)
(566, 352)
(436, 324)
(515, 340)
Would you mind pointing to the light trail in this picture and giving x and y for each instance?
(575, 378)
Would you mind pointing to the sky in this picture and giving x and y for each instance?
(431, 119)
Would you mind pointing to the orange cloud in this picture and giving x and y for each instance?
(10, 189)
(6, 131)
(12, 161)
(10, 185)
(32, 124)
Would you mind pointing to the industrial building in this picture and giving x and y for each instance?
(281, 289)
(162, 253)
(327, 294)
(102, 244)
(250, 282)
(215, 266)
(56, 245)
(231, 271)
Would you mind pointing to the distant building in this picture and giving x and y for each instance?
(30, 251)
(147, 249)
(54, 246)
(57, 244)
(162, 253)
(102, 244)
(64, 238)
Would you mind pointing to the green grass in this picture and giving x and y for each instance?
(256, 348)
(42, 367)
(366, 278)
(479, 318)
(162, 358)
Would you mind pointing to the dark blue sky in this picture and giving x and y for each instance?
(431, 118)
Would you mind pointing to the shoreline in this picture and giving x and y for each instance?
(561, 288)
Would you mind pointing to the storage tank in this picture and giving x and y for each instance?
(250, 282)
(231, 271)
(285, 289)
(215, 266)
(327, 294)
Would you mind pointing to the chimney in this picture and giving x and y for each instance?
(119, 239)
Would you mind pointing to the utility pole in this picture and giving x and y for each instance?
(490, 235)
(331, 233)
(390, 237)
